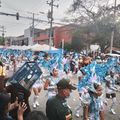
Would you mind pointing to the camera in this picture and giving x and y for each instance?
(20, 97)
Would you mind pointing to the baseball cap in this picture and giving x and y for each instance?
(64, 83)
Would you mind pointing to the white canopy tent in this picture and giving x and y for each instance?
(16, 47)
(1, 46)
(36, 47)
(44, 47)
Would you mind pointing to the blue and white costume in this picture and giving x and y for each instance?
(52, 88)
(95, 105)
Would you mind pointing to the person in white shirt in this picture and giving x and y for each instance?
(80, 75)
(50, 83)
(37, 86)
(93, 108)
(111, 90)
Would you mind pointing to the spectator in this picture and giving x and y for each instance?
(36, 115)
(5, 106)
(22, 96)
(80, 75)
(111, 91)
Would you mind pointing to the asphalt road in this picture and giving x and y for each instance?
(73, 101)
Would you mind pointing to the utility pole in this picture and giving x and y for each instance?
(50, 17)
(0, 3)
(3, 30)
(3, 33)
(33, 29)
(113, 29)
(63, 45)
(29, 18)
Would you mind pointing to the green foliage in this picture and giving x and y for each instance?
(1, 41)
(86, 35)
(78, 40)
(96, 24)
(82, 37)
(67, 46)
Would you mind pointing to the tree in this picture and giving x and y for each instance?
(98, 18)
(1, 41)
(89, 11)
(82, 38)
(86, 35)
(104, 36)
(67, 46)
(77, 43)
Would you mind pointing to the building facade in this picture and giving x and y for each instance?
(26, 39)
(59, 34)
(63, 33)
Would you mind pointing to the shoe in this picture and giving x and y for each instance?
(34, 105)
(73, 72)
(77, 115)
(37, 103)
(69, 106)
(113, 112)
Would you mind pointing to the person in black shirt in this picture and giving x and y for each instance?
(56, 107)
(5, 106)
(24, 97)
(36, 115)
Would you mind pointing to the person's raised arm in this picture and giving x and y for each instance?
(21, 109)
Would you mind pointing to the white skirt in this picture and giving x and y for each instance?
(38, 84)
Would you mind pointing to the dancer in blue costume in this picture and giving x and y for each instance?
(94, 109)
(50, 83)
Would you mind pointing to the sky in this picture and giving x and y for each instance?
(15, 27)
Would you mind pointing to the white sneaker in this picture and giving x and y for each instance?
(37, 103)
(73, 72)
(113, 112)
(34, 105)
(69, 106)
(77, 115)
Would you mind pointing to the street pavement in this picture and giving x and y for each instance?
(73, 101)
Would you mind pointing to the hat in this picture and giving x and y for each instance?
(64, 83)
(93, 86)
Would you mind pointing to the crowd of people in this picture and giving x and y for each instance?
(95, 87)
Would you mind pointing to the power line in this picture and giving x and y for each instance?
(29, 18)
(9, 6)
(18, 10)
(41, 12)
